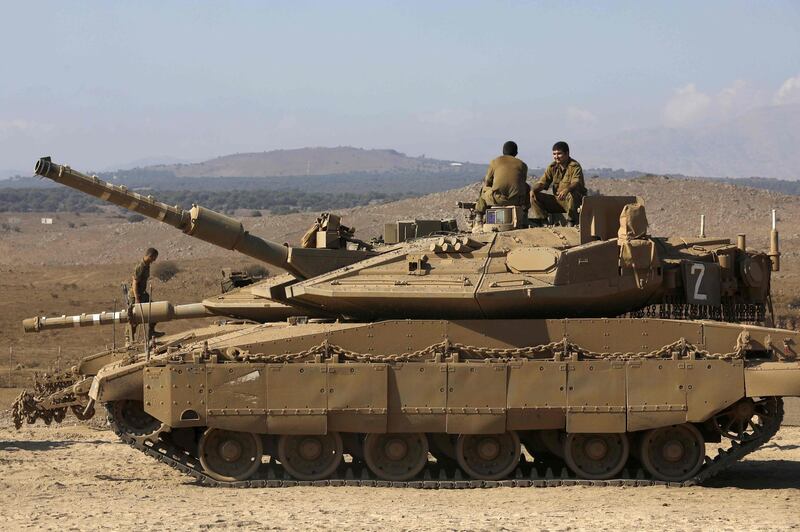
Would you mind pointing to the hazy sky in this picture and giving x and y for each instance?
(99, 84)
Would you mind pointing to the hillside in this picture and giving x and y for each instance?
(304, 162)
(673, 205)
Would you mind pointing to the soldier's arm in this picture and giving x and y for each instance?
(135, 283)
(526, 189)
(489, 179)
(575, 178)
(544, 182)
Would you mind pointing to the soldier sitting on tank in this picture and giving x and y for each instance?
(566, 177)
(505, 183)
(140, 296)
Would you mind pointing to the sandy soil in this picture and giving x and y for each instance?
(80, 477)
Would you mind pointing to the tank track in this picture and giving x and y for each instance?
(526, 475)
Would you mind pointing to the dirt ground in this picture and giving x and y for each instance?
(81, 477)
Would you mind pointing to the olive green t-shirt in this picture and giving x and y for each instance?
(506, 177)
(561, 178)
(141, 273)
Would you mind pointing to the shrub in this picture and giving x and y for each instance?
(9, 228)
(164, 271)
(255, 214)
(135, 218)
(256, 270)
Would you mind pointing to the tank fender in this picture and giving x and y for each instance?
(773, 379)
(118, 382)
(91, 364)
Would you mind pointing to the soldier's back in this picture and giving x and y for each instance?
(510, 174)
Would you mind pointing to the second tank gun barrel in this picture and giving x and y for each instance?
(155, 312)
(199, 222)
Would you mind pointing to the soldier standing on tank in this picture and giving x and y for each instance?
(566, 177)
(505, 182)
(138, 295)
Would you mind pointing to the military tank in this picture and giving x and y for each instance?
(503, 356)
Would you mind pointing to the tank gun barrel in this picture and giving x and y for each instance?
(199, 222)
(155, 312)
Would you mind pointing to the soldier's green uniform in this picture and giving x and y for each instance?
(504, 184)
(560, 178)
(141, 274)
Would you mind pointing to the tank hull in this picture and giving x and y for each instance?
(468, 381)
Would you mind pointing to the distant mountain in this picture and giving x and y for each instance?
(160, 160)
(305, 162)
(762, 142)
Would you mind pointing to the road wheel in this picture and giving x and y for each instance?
(673, 453)
(596, 456)
(312, 457)
(230, 456)
(396, 457)
(488, 456)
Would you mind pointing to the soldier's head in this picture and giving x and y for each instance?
(510, 148)
(150, 255)
(560, 152)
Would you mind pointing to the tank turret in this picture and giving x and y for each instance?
(609, 265)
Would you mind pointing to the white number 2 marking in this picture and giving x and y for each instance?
(701, 268)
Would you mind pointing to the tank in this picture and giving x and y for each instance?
(502, 356)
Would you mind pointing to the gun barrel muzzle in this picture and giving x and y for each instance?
(155, 312)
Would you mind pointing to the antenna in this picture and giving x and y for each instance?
(149, 319)
(774, 249)
(114, 329)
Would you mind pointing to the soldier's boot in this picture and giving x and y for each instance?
(130, 335)
(572, 205)
(153, 333)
